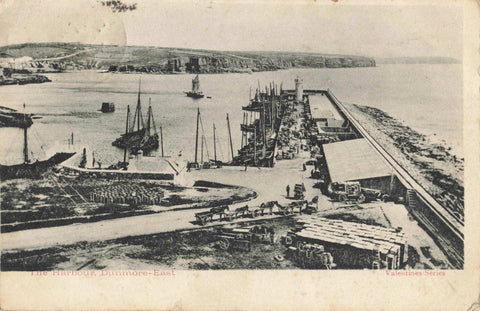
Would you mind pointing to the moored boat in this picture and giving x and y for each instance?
(144, 137)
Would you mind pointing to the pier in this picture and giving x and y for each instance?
(417, 198)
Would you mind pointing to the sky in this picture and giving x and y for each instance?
(300, 26)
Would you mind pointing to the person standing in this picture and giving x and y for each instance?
(288, 191)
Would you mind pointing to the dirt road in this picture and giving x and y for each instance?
(269, 183)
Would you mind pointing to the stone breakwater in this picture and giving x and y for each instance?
(432, 164)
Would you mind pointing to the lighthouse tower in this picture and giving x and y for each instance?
(298, 89)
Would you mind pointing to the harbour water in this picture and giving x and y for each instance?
(427, 97)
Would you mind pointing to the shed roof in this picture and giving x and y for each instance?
(353, 160)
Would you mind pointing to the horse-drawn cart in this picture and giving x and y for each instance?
(205, 217)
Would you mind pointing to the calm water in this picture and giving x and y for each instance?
(427, 97)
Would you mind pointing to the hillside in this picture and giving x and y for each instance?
(69, 56)
(418, 60)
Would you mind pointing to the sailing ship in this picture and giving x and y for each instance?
(30, 168)
(210, 163)
(144, 137)
(195, 92)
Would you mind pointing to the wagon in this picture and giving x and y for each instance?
(205, 217)
(289, 209)
(238, 212)
(242, 238)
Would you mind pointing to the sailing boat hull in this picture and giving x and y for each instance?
(195, 95)
(136, 141)
(32, 170)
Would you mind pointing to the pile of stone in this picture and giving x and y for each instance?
(127, 193)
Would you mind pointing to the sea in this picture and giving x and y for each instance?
(426, 97)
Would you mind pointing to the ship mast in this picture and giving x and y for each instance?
(138, 111)
(147, 132)
(196, 136)
(126, 132)
(161, 138)
(230, 136)
(214, 144)
(25, 143)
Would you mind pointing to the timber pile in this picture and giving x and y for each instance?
(356, 245)
(125, 193)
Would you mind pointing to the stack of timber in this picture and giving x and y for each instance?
(261, 121)
(355, 245)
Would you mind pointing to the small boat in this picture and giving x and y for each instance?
(195, 92)
(107, 107)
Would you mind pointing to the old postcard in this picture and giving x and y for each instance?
(246, 155)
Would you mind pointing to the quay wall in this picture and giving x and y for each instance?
(116, 174)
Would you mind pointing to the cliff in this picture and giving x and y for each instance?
(54, 57)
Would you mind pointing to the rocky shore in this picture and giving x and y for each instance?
(24, 79)
(160, 60)
(432, 164)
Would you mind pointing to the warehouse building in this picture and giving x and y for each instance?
(356, 160)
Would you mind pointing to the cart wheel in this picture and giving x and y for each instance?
(342, 198)
(361, 198)
(224, 244)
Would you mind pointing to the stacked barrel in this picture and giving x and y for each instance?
(127, 194)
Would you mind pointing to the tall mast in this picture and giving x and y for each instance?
(147, 132)
(138, 112)
(264, 132)
(128, 119)
(201, 150)
(126, 131)
(196, 135)
(214, 144)
(25, 143)
(255, 145)
(230, 135)
(161, 139)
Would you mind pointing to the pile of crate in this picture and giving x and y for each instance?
(127, 193)
(354, 244)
